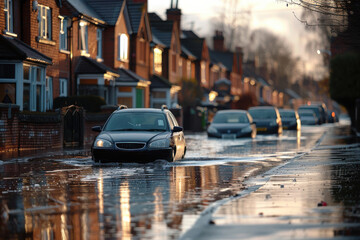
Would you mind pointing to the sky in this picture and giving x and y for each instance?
(272, 15)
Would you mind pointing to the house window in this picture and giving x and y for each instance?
(48, 93)
(188, 68)
(99, 42)
(123, 42)
(63, 87)
(8, 10)
(142, 50)
(83, 37)
(203, 72)
(158, 60)
(44, 19)
(63, 33)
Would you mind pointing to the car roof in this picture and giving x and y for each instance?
(232, 111)
(286, 110)
(262, 108)
(134, 110)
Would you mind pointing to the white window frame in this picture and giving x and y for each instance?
(63, 45)
(45, 21)
(48, 93)
(63, 87)
(166, 100)
(99, 42)
(8, 12)
(83, 37)
(123, 47)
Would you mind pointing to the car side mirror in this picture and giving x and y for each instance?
(96, 128)
(177, 129)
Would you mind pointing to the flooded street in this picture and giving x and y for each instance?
(70, 197)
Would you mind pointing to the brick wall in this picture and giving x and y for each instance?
(9, 127)
(33, 131)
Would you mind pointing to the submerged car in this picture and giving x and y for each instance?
(232, 124)
(308, 117)
(290, 119)
(139, 135)
(267, 119)
(316, 109)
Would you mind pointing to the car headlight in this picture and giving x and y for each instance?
(162, 143)
(246, 129)
(102, 143)
(212, 130)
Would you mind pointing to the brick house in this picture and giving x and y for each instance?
(232, 61)
(198, 47)
(101, 37)
(33, 69)
(167, 67)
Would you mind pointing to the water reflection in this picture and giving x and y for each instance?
(55, 200)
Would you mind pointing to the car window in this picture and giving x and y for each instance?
(263, 113)
(174, 119)
(136, 121)
(231, 118)
(287, 114)
(171, 123)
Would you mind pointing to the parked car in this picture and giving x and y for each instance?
(308, 117)
(232, 124)
(290, 119)
(316, 109)
(139, 135)
(267, 119)
(333, 117)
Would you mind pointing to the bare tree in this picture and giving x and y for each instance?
(274, 58)
(233, 21)
(342, 17)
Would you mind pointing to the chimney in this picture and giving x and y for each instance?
(174, 14)
(218, 41)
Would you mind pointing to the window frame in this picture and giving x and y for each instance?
(99, 41)
(158, 60)
(9, 15)
(63, 35)
(83, 38)
(123, 47)
(63, 85)
(45, 22)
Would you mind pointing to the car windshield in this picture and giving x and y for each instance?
(231, 118)
(306, 114)
(136, 121)
(263, 113)
(287, 114)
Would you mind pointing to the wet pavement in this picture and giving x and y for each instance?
(66, 196)
(313, 196)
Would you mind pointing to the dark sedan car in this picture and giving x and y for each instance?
(267, 119)
(139, 135)
(232, 124)
(290, 119)
(308, 117)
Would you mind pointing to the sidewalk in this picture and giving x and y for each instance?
(314, 196)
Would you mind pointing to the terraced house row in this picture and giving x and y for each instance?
(111, 48)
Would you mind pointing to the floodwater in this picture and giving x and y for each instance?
(70, 197)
